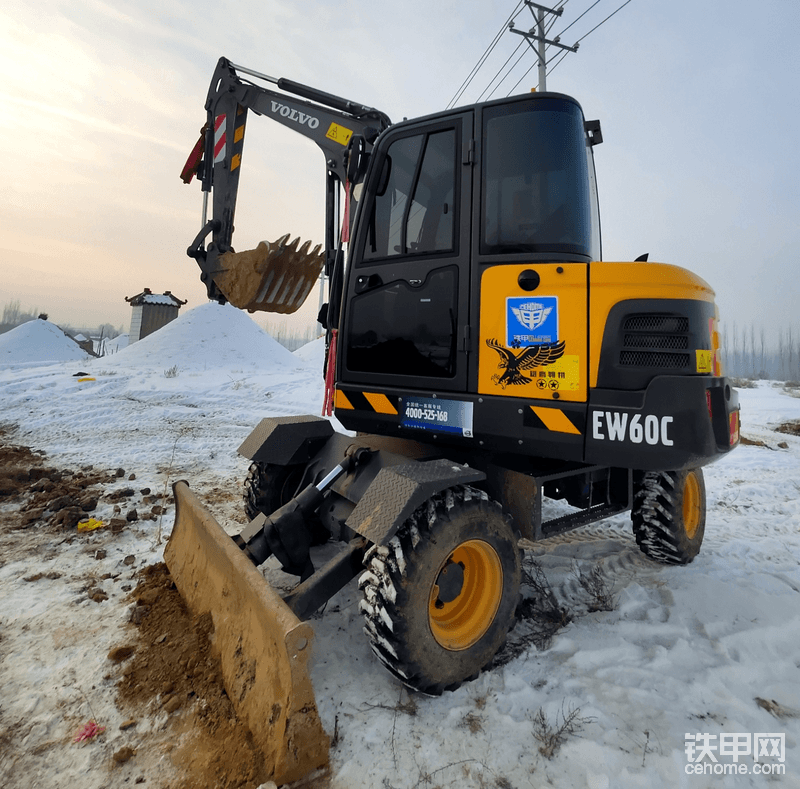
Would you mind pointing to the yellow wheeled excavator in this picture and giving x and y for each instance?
(482, 355)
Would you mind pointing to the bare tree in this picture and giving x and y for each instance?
(11, 312)
(736, 363)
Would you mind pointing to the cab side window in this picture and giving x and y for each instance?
(413, 212)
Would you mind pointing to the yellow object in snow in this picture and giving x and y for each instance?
(81, 380)
(90, 525)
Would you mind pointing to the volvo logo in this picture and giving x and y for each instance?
(294, 115)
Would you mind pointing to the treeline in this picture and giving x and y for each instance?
(14, 315)
(748, 354)
(291, 337)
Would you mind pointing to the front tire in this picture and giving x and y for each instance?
(440, 598)
(669, 515)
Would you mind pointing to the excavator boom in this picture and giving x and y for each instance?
(277, 276)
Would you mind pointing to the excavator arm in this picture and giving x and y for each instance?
(276, 276)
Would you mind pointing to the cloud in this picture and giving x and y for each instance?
(96, 124)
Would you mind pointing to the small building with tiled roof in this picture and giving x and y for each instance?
(151, 311)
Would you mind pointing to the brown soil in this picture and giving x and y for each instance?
(61, 498)
(172, 670)
(792, 428)
(165, 667)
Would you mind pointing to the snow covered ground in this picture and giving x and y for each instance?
(708, 649)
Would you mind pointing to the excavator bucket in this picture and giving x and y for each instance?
(273, 277)
(262, 646)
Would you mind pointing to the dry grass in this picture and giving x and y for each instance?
(552, 736)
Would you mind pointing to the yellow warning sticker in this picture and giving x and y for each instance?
(339, 134)
(705, 361)
(562, 375)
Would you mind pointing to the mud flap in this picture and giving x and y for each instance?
(274, 277)
(262, 646)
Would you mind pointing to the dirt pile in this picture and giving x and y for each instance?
(168, 667)
(792, 428)
(62, 498)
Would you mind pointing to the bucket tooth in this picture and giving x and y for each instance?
(273, 277)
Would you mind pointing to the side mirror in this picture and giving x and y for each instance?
(594, 132)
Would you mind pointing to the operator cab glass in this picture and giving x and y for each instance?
(413, 210)
(538, 192)
(406, 292)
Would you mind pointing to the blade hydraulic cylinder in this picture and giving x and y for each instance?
(285, 533)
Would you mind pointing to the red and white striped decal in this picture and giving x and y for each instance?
(219, 139)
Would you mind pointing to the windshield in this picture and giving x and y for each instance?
(536, 194)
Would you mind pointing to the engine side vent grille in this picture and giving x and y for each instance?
(672, 324)
(649, 359)
(667, 342)
(651, 341)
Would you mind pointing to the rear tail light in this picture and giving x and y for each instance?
(734, 427)
(716, 353)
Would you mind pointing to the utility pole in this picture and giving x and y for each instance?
(537, 34)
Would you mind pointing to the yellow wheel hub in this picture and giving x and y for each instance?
(691, 505)
(466, 595)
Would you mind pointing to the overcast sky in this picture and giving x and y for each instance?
(102, 102)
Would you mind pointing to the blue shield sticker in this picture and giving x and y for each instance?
(531, 321)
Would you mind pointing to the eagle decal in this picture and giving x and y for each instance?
(530, 357)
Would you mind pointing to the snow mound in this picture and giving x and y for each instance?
(115, 344)
(38, 341)
(211, 336)
(312, 353)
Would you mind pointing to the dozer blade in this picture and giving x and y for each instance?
(273, 277)
(262, 646)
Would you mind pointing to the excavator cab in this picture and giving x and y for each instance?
(447, 197)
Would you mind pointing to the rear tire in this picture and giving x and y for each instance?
(440, 598)
(268, 487)
(669, 515)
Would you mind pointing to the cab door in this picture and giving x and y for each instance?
(535, 232)
(533, 339)
(405, 319)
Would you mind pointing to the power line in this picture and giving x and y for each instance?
(464, 85)
(521, 44)
(460, 92)
(579, 18)
(505, 71)
(604, 21)
(506, 76)
(550, 71)
(539, 35)
(508, 73)
(564, 54)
